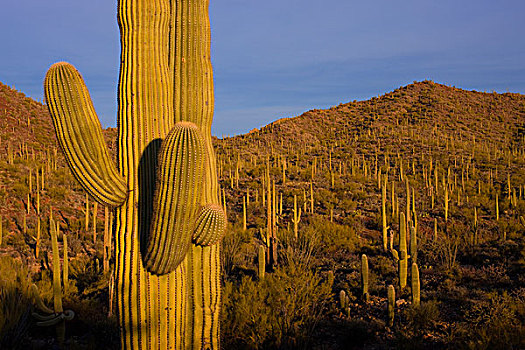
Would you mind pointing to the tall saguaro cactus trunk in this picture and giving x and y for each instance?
(168, 221)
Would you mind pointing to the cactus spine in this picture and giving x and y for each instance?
(165, 79)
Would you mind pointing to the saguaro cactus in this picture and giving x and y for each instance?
(296, 216)
(415, 285)
(403, 255)
(364, 278)
(391, 303)
(168, 219)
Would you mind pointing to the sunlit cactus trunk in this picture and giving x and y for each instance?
(168, 86)
(168, 221)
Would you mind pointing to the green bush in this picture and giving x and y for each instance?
(279, 311)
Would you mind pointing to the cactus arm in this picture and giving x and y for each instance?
(181, 166)
(80, 135)
(210, 225)
(38, 300)
(54, 319)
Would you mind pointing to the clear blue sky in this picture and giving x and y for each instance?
(279, 58)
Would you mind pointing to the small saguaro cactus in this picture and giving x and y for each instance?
(403, 255)
(497, 208)
(446, 203)
(65, 264)
(413, 243)
(261, 262)
(342, 299)
(244, 213)
(296, 216)
(415, 285)
(364, 278)
(383, 214)
(169, 221)
(391, 303)
(57, 285)
(57, 316)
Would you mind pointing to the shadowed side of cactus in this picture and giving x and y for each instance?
(179, 177)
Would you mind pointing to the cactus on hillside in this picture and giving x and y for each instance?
(364, 278)
(261, 262)
(413, 242)
(57, 285)
(391, 303)
(403, 255)
(165, 184)
(65, 263)
(383, 214)
(296, 216)
(415, 285)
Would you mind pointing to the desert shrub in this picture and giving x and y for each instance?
(236, 248)
(20, 190)
(358, 332)
(279, 311)
(422, 317)
(14, 303)
(57, 193)
(495, 323)
(87, 274)
(334, 237)
(300, 251)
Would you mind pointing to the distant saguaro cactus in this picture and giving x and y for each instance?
(364, 278)
(168, 219)
(391, 303)
(403, 255)
(415, 285)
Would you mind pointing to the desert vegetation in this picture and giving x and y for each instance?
(395, 222)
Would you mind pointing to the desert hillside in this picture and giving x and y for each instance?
(427, 175)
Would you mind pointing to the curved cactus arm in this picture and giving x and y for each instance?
(52, 321)
(80, 135)
(210, 225)
(38, 300)
(46, 317)
(179, 186)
